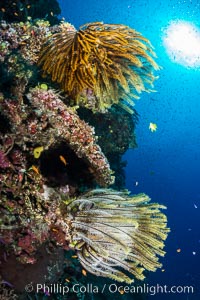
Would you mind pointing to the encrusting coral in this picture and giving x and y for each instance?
(48, 122)
(100, 64)
(71, 129)
(112, 232)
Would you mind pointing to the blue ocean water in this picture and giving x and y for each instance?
(166, 164)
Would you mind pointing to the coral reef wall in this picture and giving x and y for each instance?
(62, 138)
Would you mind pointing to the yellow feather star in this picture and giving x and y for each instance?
(100, 64)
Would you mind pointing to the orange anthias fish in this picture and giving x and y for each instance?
(35, 169)
(84, 272)
(121, 291)
(63, 160)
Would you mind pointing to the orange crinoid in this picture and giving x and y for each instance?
(100, 64)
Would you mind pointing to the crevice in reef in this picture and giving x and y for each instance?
(61, 166)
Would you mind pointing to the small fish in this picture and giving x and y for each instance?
(74, 256)
(67, 280)
(178, 250)
(35, 169)
(51, 13)
(54, 230)
(3, 9)
(63, 160)
(195, 206)
(194, 252)
(16, 14)
(37, 151)
(28, 6)
(84, 272)
(136, 183)
(163, 270)
(121, 291)
(153, 127)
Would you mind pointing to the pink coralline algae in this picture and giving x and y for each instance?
(76, 132)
